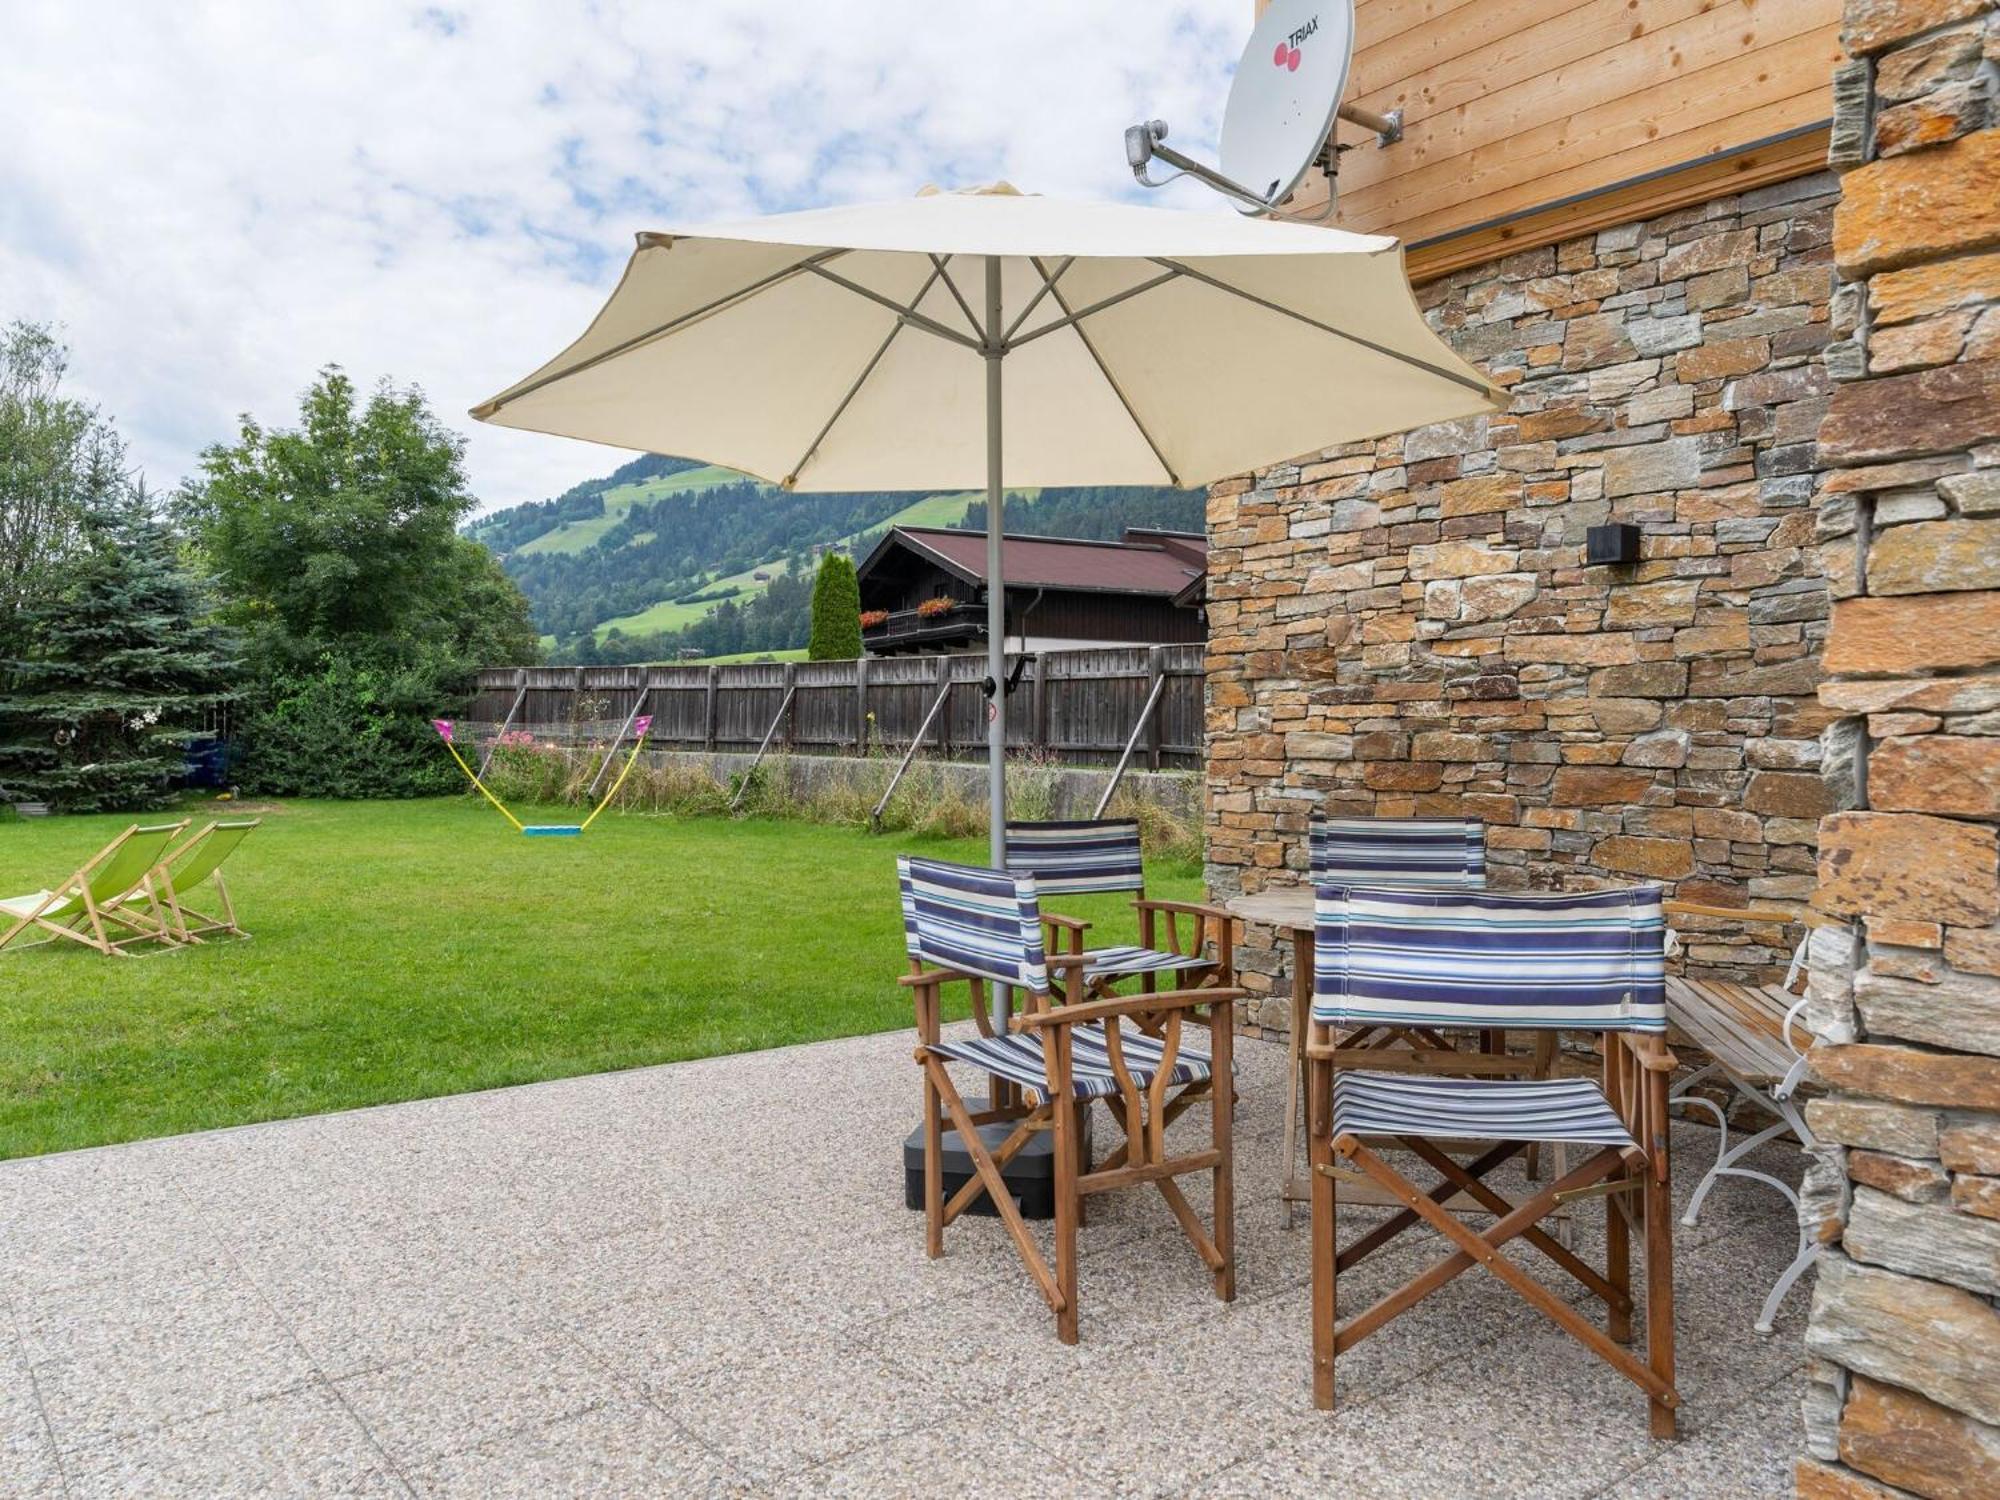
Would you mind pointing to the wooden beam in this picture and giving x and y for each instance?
(1796, 155)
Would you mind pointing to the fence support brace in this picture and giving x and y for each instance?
(645, 687)
(1132, 741)
(923, 729)
(520, 697)
(743, 786)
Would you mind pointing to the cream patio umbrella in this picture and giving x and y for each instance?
(989, 337)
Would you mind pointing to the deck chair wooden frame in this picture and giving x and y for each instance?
(1437, 953)
(186, 867)
(1100, 855)
(1756, 1042)
(1065, 1049)
(92, 906)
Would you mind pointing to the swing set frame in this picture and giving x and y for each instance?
(639, 726)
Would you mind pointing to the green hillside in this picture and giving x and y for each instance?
(572, 537)
(932, 510)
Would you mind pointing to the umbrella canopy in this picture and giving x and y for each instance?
(841, 348)
(994, 338)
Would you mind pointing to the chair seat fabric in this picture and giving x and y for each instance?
(21, 906)
(1018, 1057)
(1532, 1109)
(1136, 960)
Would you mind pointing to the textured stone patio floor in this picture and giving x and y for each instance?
(700, 1279)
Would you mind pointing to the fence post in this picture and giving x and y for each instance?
(944, 697)
(1156, 658)
(1038, 729)
(861, 705)
(791, 703)
(708, 715)
(575, 697)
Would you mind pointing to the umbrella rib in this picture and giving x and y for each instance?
(810, 263)
(1072, 319)
(1353, 338)
(1102, 369)
(860, 380)
(956, 296)
(1048, 285)
(915, 319)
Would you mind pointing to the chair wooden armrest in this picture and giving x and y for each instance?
(1186, 908)
(1651, 1052)
(1086, 1011)
(924, 978)
(1067, 924)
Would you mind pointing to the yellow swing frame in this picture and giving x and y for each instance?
(641, 727)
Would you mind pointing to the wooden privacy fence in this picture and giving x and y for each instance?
(1078, 707)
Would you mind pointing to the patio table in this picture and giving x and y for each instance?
(1289, 910)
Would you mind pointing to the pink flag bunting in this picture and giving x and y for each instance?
(443, 727)
(640, 725)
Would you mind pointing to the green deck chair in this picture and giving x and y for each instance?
(184, 869)
(89, 905)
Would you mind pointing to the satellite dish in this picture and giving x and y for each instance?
(1278, 123)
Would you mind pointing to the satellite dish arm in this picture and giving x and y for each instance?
(1143, 144)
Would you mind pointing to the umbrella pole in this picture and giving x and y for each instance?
(996, 609)
(996, 592)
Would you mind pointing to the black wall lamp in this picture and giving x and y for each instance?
(1616, 543)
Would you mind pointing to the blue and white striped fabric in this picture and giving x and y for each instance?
(973, 921)
(1399, 852)
(1486, 1109)
(1018, 1056)
(1593, 960)
(1096, 854)
(1136, 960)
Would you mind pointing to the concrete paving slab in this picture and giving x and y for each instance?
(700, 1279)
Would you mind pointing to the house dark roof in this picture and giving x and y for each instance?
(1162, 563)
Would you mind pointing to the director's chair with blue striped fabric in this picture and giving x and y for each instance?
(1090, 855)
(984, 927)
(1584, 961)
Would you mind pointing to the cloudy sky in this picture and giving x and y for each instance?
(214, 199)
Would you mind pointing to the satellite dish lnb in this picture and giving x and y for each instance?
(1278, 123)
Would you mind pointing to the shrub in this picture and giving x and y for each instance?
(344, 729)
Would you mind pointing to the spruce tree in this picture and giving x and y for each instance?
(836, 611)
(120, 670)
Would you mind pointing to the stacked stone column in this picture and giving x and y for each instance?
(1904, 1338)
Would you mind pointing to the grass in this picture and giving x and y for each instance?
(404, 950)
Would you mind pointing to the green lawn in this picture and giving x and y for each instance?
(410, 949)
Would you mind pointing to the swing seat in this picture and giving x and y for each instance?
(552, 830)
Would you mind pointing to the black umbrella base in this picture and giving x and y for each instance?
(1031, 1175)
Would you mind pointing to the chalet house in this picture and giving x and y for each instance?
(923, 589)
(1734, 262)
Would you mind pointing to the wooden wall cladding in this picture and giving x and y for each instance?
(1529, 108)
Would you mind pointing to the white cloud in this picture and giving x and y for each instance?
(215, 199)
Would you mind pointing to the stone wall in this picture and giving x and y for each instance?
(1904, 1336)
(1407, 625)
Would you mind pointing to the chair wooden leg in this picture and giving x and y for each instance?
(1660, 1296)
(1618, 1267)
(933, 1169)
(1224, 1105)
(1319, 1153)
(1068, 1202)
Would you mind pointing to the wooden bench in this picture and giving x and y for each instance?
(1755, 1040)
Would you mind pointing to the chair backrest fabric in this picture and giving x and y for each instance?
(974, 921)
(1593, 960)
(1085, 854)
(123, 867)
(1403, 853)
(206, 852)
